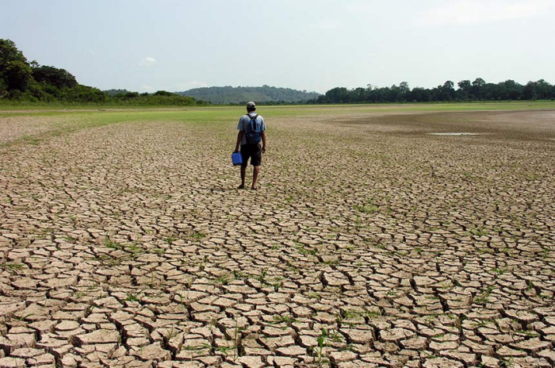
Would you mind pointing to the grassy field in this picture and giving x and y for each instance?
(370, 242)
(86, 117)
(504, 105)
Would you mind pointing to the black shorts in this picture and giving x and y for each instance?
(252, 151)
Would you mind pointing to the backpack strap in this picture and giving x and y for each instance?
(252, 119)
(243, 122)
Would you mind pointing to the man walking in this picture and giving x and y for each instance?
(251, 131)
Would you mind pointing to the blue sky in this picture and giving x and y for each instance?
(315, 45)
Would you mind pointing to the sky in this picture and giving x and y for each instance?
(313, 45)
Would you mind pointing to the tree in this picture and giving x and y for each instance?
(58, 78)
(18, 75)
(478, 82)
(394, 94)
(543, 89)
(465, 89)
(419, 94)
(509, 90)
(477, 87)
(338, 95)
(404, 91)
(447, 91)
(163, 93)
(13, 71)
(359, 95)
(9, 52)
(464, 85)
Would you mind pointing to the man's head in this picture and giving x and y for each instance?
(251, 106)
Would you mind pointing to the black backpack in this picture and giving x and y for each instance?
(253, 132)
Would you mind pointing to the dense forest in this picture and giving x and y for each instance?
(478, 90)
(240, 95)
(24, 81)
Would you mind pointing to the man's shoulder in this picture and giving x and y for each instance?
(248, 117)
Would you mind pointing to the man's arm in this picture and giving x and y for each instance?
(239, 139)
(264, 141)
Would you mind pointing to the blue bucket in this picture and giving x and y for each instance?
(236, 158)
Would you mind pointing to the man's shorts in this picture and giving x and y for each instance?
(252, 151)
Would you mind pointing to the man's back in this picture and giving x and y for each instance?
(251, 124)
(252, 130)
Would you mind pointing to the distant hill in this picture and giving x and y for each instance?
(237, 95)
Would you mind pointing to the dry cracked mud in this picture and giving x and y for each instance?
(370, 243)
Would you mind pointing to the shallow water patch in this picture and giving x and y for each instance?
(456, 134)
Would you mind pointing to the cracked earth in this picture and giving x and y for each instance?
(370, 243)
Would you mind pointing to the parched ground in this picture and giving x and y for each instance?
(370, 243)
(23, 127)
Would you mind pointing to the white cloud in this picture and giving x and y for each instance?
(464, 12)
(148, 61)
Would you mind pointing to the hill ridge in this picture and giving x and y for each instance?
(241, 94)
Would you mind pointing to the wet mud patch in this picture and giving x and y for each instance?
(515, 125)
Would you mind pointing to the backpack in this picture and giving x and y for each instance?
(253, 133)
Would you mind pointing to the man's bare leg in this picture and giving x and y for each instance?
(255, 176)
(243, 174)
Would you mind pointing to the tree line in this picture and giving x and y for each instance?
(24, 81)
(478, 90)
(21, 80)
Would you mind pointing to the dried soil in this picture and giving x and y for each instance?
(369, 243)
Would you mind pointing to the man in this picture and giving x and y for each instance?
(251, 131)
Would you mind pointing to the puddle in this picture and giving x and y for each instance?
(455, 133)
